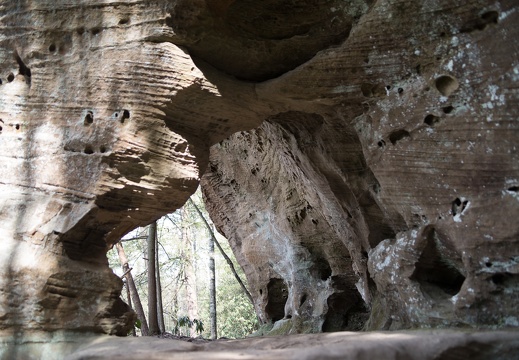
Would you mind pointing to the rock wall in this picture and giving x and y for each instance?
(383, 193)
(380, 192)
(105, 125)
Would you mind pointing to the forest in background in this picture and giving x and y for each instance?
(183, 258)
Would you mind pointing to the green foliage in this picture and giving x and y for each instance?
(199, 326)
(179, 248)
(185, 323)
(236, 316)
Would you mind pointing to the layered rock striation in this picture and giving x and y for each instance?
(378, 188)
(383, 194)
(105, 125)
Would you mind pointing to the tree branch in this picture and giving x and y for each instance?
(227, 259)
(134, 238)
(126, 272)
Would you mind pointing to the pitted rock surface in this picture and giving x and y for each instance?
(105, 125)
(373, 182)
(385, 194)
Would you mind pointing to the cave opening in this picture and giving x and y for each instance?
(321, 268)
(277, 298)
(437, 273)
(346, 309)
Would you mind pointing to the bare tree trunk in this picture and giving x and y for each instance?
(190, 274)
(133, 289)
(160, 309)
(152, 283)
(227, 259)
(212, 290)
(129, 302)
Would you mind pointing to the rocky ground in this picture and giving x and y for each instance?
(410, 345)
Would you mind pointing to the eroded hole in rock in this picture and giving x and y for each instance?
(277, 298)
(89, 118)
(431, 119)
(513, 188)
(376, 187)
(373, 90)
(102, 149)
(125, 115)
(124, 21)
(490, 16)
(437, 273)
(458, 206)
(303, 299)
(88, 150)
(23, 69)
(503, 281)
(180, 147)
(448, 109)
(381, 143)
(52, 48)
(366, 89)
(346, 309)
(17, 126)
(499, 279)
(400, 90)
(398, 135)
(302, 214)
(10, 77)
(481, 23)
(95, 31)
(321, 269)
(446, 85)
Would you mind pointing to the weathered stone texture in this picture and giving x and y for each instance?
(381, 192)
(384, 194)
(415, 345)
(105, 125)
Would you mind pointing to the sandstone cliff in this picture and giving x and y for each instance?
(380, 191)
(105, 125)
(384, 195)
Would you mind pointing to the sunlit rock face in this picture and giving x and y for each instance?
(105, 125)
(381, 190)
(383, 193)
